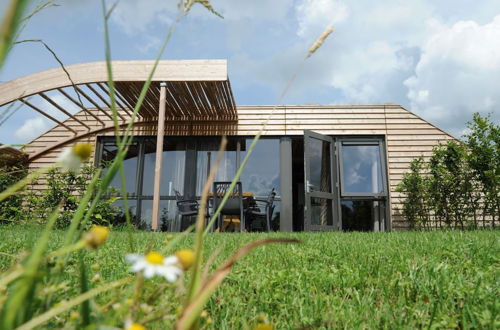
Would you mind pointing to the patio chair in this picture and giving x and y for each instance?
(233, 205)
(185, 207)
(263, 209)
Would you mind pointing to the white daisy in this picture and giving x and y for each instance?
(154, 264)
(71, 159)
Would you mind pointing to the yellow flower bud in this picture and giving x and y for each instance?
(136, 326)
(74, 315)
(96, 236)
(186, 258)
(264, 326)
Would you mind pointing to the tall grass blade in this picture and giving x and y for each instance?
(192, 311)
(41, 319)
(11, 23)
(17, 305)
(84, 287)
(200, 223)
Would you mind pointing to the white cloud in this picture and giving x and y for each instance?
(135, 16)
(62, 101)
(458, 74)
(315, 15)
(31, 129)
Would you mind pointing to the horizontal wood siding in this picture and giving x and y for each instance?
(407, 135)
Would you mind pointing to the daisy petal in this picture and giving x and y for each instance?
(131, 258)
(139, 265)
(172, 260)
(149, 271)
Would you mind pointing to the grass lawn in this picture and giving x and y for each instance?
(340, 280)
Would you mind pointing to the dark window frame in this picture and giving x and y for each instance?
(362, 141)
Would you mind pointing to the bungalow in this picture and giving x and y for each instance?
(332, 167)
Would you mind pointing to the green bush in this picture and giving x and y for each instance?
(11, 208)
(67, 189)
(458, 186)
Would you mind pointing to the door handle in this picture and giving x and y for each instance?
(308, 186)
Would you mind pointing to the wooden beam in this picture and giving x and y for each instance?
(77, 103)
(58, 107)
(93, 102)
(117, 96)
(159, 156)
(103, 100)
(47, 115)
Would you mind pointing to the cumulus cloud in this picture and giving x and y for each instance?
(458, 73)
(135, 16)
(316, 15)
(31, 129)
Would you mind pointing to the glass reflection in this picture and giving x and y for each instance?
(319, 164)
(129, 165)
(120, 218)
(205, 158)
(362, 215)
(168, 214)
(173, 166)
(361, 169)
(321, 211)
(261, 173)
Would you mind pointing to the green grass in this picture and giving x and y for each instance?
(341, 280)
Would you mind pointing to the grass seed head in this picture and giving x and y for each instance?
(320, 41)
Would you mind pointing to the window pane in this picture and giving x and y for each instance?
(129, 165)
(319, 160)
(120, 218)
(168, 214)
(206, 155)
(262, 172)
(173, 166)
(362, 215)
(321, 211)
(362, 170)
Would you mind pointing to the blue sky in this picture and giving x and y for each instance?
(439, 59)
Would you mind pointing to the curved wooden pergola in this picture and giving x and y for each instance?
(183, 90)
(195, 89)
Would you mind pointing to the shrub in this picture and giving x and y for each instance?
(11, 208)
(67, 189)
(459, 183)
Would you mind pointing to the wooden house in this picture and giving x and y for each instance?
(333, 167)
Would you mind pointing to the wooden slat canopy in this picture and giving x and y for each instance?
(10, 156)
(196, 89)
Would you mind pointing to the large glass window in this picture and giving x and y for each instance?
(206, 154)
(173, 166)
(363, 215)
(362, 183)
(129, 165)
(262, 171)
(186, 163)
(361, 168)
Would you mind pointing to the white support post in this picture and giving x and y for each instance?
(159, 156)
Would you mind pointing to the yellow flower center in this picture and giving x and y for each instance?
(186, 258)
(154, 258)
(82, 150)
(136, 326)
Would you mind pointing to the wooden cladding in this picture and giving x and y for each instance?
(407, 136)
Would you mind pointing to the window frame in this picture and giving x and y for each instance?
(362, 141)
